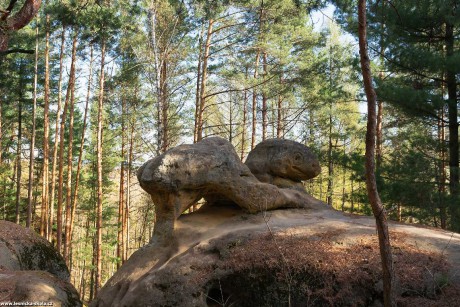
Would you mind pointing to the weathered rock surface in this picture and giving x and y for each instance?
(209, 169)
(36, 286)
(284, 163)
(297, 257)
(31, 270)
(22, 249)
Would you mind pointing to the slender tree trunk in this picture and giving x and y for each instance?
(264, 99)
(45, 172)
(204, 80)
(60, 199)
(330, 174)
(279, 118)
(2, 183)
(198, 83)
(121, 198)
(254, 102)
(98, 247)
(230, 124)
(68, 199)
(379, 133)
(56, 136)
(126, 224)
(442, 170)
(453, 130)
(344, 174)
(19, 163)
(371, 184)
(245, 116)
(32, 140)
(155, 47)
(164, 103)
(82, 144)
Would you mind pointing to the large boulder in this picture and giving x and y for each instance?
(31, 270)
(290, 257)
(36, 287)
(284, 163)
(22, 249)
(209, 169)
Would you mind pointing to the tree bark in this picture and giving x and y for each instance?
(27, 12)
(245, 118)
(19, 163)
(442, 170)
(56, 136)
(204, 79)
(60, 199)
(330, 173)
(371, 184)
(98, 247)
(68, 199)
(32, 140)
(82, 144)
(254, 102)
(453, 130)
(45, 171)
(126, 224)
(121, 198)
(198, 84)
(264, 99)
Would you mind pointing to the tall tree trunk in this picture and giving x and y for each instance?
(60, 198)
(32, 140)
(2, 194)
(98, 247)
(121, 198)
(453, 130)
(82, 144)
(254, 102)
(230, 120)
(164, 103)
(45, 172)
(371, 184)
(264, 99)
(442, 170)
(245, 116)
(155, 47)
(56, 136)
(379, 133)
(19, 163)
(198, 83)
(126, 225)
(330, 163)
(279, 117)
(68, 199)
(204, 80)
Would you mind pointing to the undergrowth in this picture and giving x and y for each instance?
(292, 270)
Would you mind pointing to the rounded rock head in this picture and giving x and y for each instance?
(284, 158)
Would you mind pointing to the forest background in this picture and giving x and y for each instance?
(91, 89)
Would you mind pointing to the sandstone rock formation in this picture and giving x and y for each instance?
(284, 163)
(36, 287)
(22, 249)
(296, 257)
(209, 169)
(31, 269)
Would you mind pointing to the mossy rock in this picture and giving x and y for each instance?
(22, 249)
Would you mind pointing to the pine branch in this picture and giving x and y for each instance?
(17, 50)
